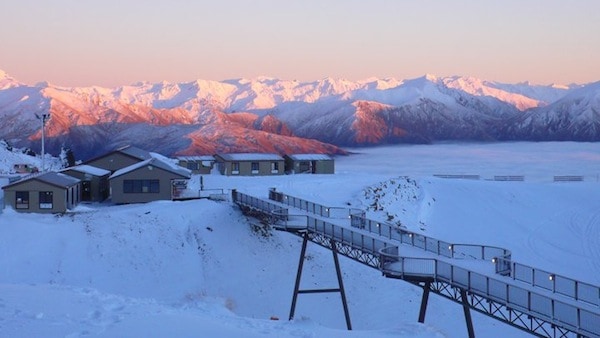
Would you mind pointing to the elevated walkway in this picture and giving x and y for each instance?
(481, 278)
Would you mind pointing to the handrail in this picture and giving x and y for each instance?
(580, 291)
(572, 317)
(501, 257)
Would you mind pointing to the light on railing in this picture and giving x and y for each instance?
(326, 209)
(450, 247)
(551, 277)
(377, 225)
(410, 235)
(494, 260)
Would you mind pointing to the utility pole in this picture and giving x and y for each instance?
(45, 117)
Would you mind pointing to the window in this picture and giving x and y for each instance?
(193, 166)
(141, 186)
(46, 199)
(22, 199)
(254, 167)
(274, 167)
(235, 168)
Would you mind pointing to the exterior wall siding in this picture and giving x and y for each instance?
(143, 173)
(245, 169)
(59, 198)
(198, 168)
(324, 167)
(318, 167)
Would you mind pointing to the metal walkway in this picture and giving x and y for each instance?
(481, 278)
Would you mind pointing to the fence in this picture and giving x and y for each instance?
(556, 283)
(568, 178)
(514, 178)
(314, 208)
(499, 256)
(573, 317)
(467, 177)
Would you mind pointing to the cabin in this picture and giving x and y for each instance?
(150, 180)
(309, 164)
(49, 192)
(199, 165)
(119, 158)
(250, 164)
(94, 182)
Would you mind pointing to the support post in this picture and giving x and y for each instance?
(424, 300)
(465, 304)
(341, 284)
(338, 271)
(298, 275)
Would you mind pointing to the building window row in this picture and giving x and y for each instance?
(141, 186)
(22, 199)
(46, 199)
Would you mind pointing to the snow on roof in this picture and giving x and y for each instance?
(52, 178)
(310, 157)
(135, 152)
(172, 164)
(196, 158)
(157, 162)
(250, 157)
(88, 169)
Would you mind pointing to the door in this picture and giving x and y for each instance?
(86, 193)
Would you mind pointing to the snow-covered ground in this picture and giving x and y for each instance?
(197, 268)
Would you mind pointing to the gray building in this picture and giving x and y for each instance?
(94, 182)
(150, 180)
(119, 158)
(50, 192)
(250, 164)
(199, 165)
(309, 164)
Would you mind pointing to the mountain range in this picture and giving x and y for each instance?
(271, 115)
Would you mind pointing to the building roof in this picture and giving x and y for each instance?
(135, 152)
(130, 151)
(196, 158)
(88, 169)
(156, 162)
(250, 157)
(52, 178)
(310, 157)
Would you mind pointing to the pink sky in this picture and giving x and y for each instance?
(117, 42)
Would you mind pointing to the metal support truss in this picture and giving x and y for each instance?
(340, 289)
(357, 254)
(427, 287)
(519, 319)
(469, 300)
(424, 302)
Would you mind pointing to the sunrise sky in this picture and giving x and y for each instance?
(117, 42)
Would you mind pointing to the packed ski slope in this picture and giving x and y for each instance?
(197, 268)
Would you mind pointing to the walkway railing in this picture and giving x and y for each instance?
(544, 302)
(559, 284)
(572, 317)
(501, 257)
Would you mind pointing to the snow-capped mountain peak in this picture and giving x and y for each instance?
(7, 81)
(273, 115)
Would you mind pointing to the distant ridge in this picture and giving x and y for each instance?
(271, 115)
